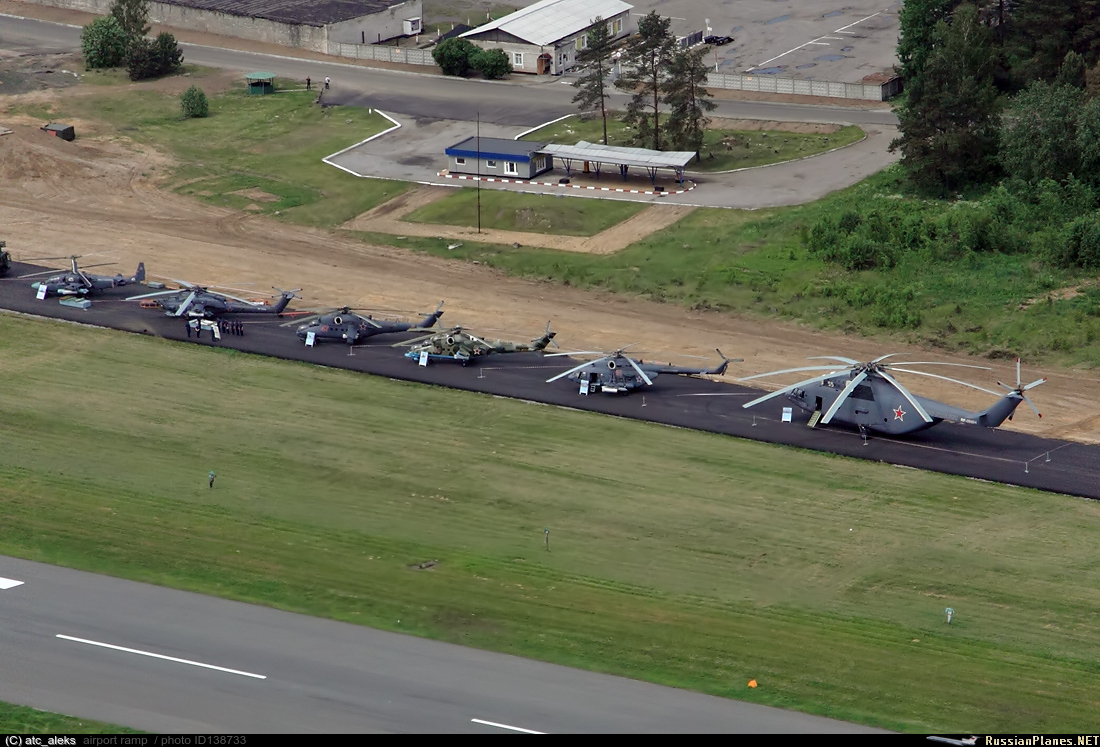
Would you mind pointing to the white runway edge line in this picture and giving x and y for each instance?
(396, 125)
(505, 726)
(161, 656)
(9, 583)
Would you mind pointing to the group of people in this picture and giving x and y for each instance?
(309, 83)
(225, 327)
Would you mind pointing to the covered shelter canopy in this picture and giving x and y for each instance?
(624, 158)
(260, 82)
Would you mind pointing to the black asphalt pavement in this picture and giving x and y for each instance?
(989, 454)
(212, 665)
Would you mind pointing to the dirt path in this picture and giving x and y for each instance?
(386, 218)
(90, 197)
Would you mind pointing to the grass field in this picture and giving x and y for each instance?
(271, 143)
(512, 211)
(722, 150)
(16, 719)
(679, 557)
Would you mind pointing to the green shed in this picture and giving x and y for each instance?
(260, 83)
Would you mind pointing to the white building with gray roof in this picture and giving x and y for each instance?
(545, 38)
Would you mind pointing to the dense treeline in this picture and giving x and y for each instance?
(1002, 106)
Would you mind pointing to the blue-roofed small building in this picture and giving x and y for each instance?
(498, 157)
(544, 38)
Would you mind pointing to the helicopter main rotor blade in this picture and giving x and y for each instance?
(158, 294)
(579, 352)
(905, 393)
(937, 363)
(884, 357)
(781, 392)
(306, 320)
(641, 373)
(790, 370)
(577, 368)
(848, 389)
(44, 272)
(849, 361)
(948, 378)
(186, 304)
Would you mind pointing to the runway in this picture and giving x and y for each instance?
(170, 661)
(987, 454)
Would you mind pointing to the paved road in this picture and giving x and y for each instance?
(537, 100)
(318, 675)
(989, 454)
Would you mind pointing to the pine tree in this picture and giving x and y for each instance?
(595, 62)
(688, 100)
(918, 19)
(133, 16)
(645, 65)
(1043, 32)
(949, 123)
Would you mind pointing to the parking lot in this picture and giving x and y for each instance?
(840, 42)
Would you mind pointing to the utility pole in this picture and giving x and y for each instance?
(479, 171)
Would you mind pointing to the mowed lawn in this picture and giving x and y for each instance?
(679, 557)
(510, 211)
(256, 153)
(723, 150)
(15, 719)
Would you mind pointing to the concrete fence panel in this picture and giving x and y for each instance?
(775, 84)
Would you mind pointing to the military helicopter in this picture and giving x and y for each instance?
(615, 373)
(459, 345)
(198, 302)
(867, 396)
(76, 282)
(344, 325)
(5, 259)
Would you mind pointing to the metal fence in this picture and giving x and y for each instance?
(773, 84)
(382, 53)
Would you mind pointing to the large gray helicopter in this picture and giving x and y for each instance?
(615, 373)
(867, 396)
(344, 325)
(197, 301)
(76, 282)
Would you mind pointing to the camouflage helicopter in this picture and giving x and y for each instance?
(344, 325)
(197, 301)
(459, 345)
(867, 396)
(615, 373)
(76, 282)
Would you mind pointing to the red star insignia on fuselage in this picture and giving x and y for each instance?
(899, 414)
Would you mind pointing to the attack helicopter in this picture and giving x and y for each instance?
(459, 345)
(867, 396)
(615, 373)
(197, 301)
(76, 282)
(344, 325)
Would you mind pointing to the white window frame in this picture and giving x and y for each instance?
(460, 161)
(511, 167)
(517, 59)
(490, 164)
(582, 42)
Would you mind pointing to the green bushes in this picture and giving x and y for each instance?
(104, 43)
(459, 57)
(1054, 221)
(194, 103)
(154, 59)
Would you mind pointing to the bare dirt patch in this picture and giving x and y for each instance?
(58, 197)
(257, 194)
(1061, 294)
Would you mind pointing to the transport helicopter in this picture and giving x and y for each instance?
(867, 396)
(616, 373)
(346, 326)
(461, 346)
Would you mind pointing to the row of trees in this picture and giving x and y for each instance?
(119, 38)
(666, 80)
(999, 92)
